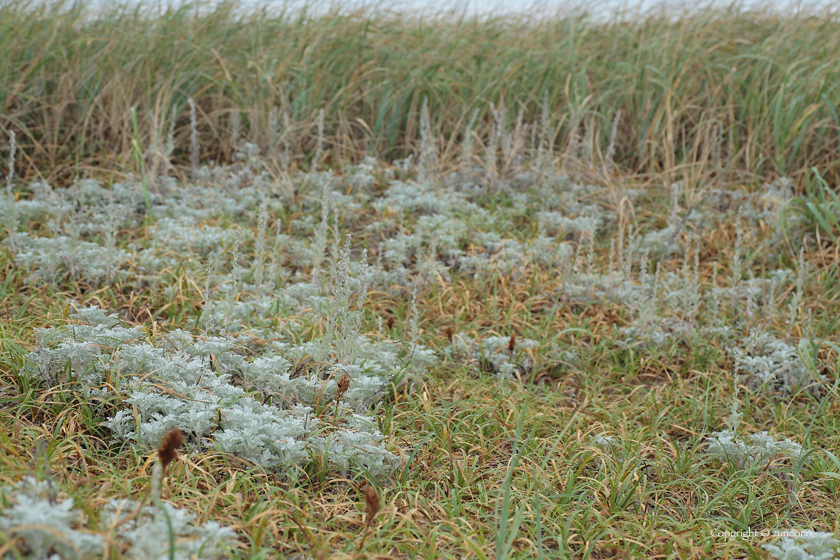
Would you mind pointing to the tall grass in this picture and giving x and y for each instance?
(747, 91)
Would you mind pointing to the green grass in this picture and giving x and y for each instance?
(492, 469)
(757, 89)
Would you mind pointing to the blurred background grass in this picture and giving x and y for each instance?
(754, 92)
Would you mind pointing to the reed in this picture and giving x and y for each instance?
(763, 85)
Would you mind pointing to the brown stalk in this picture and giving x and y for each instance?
(372, 507)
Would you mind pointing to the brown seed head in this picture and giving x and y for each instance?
(448, 332)
(169, 445)
(372, 504)
(512, 343)
(390, 323)
(343, 385)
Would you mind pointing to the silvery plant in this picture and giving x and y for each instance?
(234, 382)
(804, 545)
(53, 529)
(267, 409)
(504, 356)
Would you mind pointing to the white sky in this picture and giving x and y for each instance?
(603, 8)
(599, 7)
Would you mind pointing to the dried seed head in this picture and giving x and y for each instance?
(372, 504)
(169, 445)
(343, 385)
(512, 343)
(448, 332)
(390, 323)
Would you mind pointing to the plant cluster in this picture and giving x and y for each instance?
(51, 529)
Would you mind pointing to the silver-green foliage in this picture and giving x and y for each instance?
(188, 381)
(53, 529)
(807, 545)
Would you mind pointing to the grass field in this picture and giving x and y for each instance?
(418, 289)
